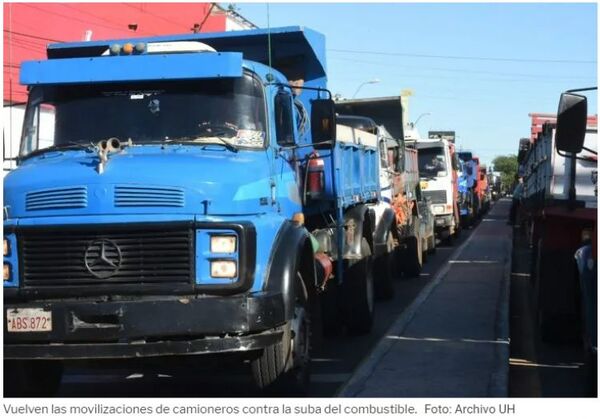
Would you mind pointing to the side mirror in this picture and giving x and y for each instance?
(571, 123)
(323, 123)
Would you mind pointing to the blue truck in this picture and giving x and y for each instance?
(185, 195)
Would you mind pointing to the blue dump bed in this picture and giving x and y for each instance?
(358, 179)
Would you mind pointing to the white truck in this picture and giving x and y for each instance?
(437, 170)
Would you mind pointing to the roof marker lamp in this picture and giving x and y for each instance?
(115, 49)
(128, 49)
(140, 47)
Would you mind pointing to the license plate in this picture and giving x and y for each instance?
(28, 320)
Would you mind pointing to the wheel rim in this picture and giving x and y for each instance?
(300, 338)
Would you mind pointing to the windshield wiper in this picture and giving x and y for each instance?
(71, 145)
(194, 139)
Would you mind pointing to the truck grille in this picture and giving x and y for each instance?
(57, 198)
(146, 196)
(437, 197)
(101, 256)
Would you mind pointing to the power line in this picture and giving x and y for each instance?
(459, 70)
(458, 57)
(98, 17)
(70, 17)
(31, 36)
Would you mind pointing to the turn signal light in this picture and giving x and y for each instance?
(7, 272)
(6, 247)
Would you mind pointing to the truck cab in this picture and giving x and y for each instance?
(437, 170)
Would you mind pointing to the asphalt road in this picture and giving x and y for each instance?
(334, 359)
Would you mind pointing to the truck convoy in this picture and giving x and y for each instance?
(399, 178)
(197, 194)
(178, 195)
(560, 172)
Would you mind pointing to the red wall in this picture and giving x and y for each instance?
(29, 27)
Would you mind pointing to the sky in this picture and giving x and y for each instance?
(493, 63)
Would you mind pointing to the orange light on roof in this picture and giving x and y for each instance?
(128, 48)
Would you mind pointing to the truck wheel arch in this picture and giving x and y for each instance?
(363, 219)
(292, 253)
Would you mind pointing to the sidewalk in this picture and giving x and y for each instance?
(453, 340)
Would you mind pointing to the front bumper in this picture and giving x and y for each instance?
(150, 326)
(443, 221)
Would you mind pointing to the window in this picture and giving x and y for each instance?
(284, 121)
(192, 111)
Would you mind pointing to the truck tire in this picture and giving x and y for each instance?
(32, 378)
(431, 246)
(557, 318)
(413, 260)
(590, 358)
(385, 271)
(286, 364)
(359, 293)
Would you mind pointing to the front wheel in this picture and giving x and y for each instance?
(286, 365)
(32, 378)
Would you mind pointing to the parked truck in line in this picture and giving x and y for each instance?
(482, 189)
(468, 201)
(438, 171)
(560, 195)
(402, 202)
(176, 195)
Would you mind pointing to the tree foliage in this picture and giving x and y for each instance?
(507, 166)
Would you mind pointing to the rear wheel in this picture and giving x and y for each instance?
(555, 298)
(385, 271)
(286, 364)
(359, 292)
(414, 257)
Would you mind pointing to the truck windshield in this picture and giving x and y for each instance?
(432, 162)
(192, 111)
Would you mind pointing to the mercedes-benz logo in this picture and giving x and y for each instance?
(103, 258)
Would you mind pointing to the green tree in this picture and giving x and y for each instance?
(507, 166)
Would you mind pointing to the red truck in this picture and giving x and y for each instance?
(560, 169)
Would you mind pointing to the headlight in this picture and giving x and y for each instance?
(438, 209)
(6, 247)
(223, 244)
(7, 272)
(223, 269)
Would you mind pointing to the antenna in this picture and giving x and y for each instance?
(269, 41)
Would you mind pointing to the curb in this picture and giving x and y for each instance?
(366, 368)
